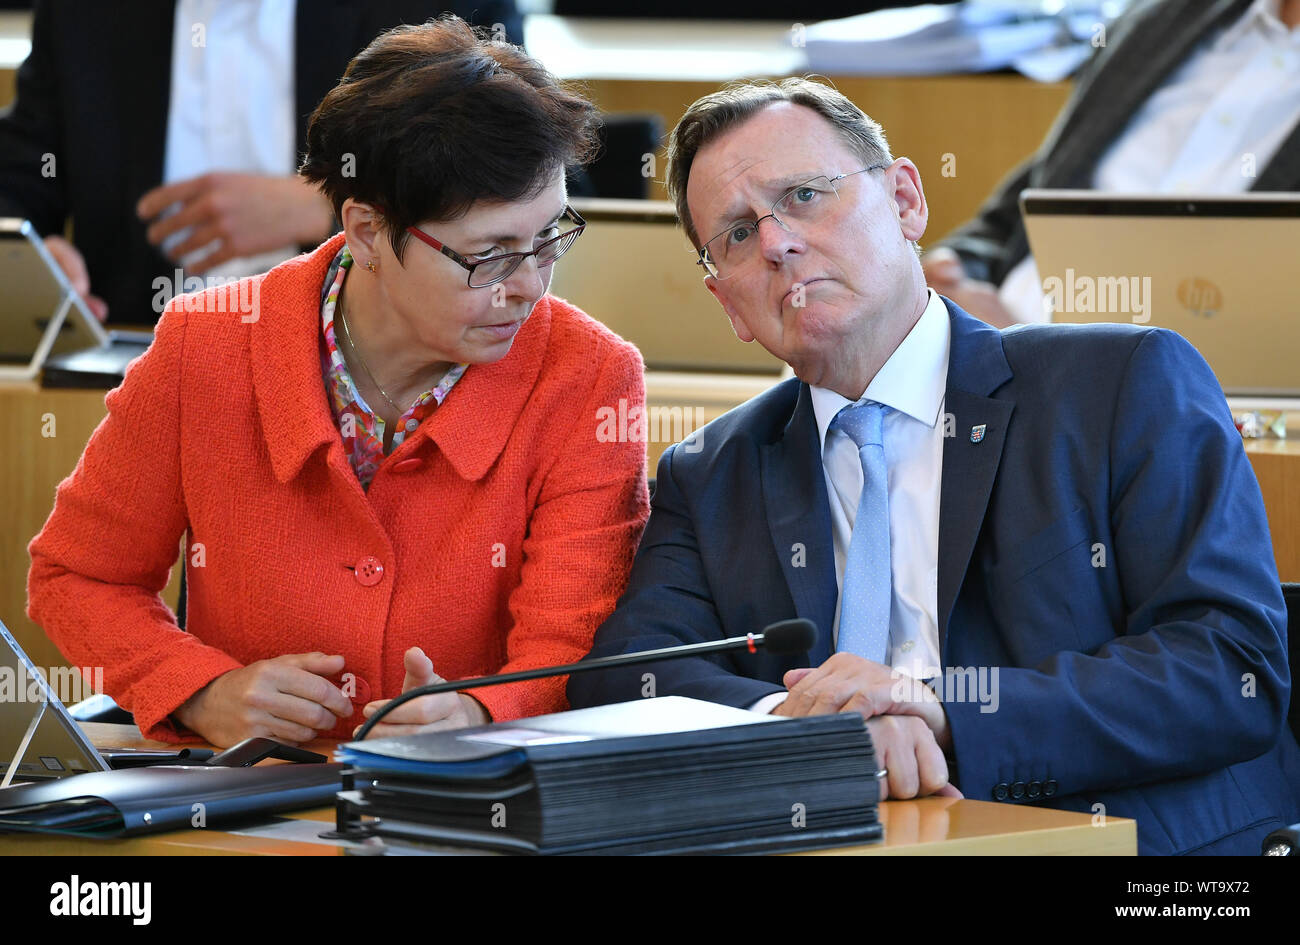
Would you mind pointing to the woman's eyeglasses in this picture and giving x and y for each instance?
(494, 269)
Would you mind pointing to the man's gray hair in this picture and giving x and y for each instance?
(719, 111)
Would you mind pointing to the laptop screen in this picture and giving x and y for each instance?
(634, 270)
(1215, 268)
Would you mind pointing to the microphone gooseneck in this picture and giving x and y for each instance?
(783, 638)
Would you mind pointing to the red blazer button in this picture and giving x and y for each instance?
(360, 691)
(369, 571)
(407, 465)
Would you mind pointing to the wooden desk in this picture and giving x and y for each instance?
(1277, 467)
(928, 826)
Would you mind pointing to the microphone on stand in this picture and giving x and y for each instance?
(783, 637)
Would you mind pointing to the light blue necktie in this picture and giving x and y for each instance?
(867, 586)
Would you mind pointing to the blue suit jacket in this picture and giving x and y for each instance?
(1150, 678)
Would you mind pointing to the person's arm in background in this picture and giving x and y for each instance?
(246, 214)
(31, 149)
(977, 248)
(960, 267)
(104, 556)
(969, 264)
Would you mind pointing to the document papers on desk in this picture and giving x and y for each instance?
(665, 775)
(1045, 40)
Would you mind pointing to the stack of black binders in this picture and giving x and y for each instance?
(666, 775)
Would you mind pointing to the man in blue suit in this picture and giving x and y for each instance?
(1038, 560)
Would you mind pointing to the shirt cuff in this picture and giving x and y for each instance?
(769, 702)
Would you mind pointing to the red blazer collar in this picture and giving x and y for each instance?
(471, 428)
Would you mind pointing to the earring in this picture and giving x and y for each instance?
(370, 265)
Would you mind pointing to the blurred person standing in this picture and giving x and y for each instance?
(168, 132)
(1184, 97)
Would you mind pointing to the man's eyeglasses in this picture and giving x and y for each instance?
(494, 269)
(736, 247)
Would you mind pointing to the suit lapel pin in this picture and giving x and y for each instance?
(977, 432)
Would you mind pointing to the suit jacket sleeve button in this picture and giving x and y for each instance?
(1018, 790)
(1049, 787)
(1000, 791)
(369, 571)
(1034, 790)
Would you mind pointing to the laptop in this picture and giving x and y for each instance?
(634, 271)
(1216, 269)
(44, 323)
(40, 741)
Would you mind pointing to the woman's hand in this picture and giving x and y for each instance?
(287, 698)
(446, 710)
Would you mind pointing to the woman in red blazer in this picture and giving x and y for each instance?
(384, 455)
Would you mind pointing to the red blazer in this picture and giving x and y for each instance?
(497, 537)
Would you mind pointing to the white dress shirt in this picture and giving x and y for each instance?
(231, 106)
(1211, 128)
(913, 383)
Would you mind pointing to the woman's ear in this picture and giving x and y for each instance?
(363, 227)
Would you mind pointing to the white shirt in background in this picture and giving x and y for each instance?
(232, 102)
(1211, 128)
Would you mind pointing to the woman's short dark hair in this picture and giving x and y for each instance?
(429, 119)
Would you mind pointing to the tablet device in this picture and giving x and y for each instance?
(38, 738)
(40, 313)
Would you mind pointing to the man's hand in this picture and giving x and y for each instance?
(73, 265)
(849, 683)
(286, 698)
(242, 214)
(906, 749)
(437, 713)
(944, 274)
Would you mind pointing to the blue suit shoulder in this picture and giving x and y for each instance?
(1106, 376)
(1087, 349)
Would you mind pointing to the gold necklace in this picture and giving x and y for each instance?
(338, 308)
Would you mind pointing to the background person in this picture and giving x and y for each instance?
(1184, 97)
(169, 136)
